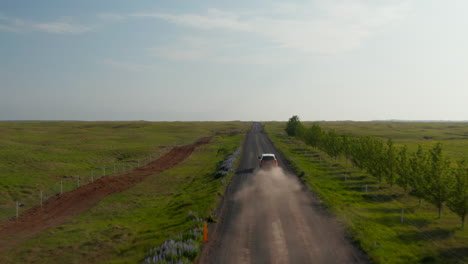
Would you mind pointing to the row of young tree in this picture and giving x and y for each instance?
(428, 175)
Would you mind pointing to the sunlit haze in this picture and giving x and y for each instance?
(233, 60)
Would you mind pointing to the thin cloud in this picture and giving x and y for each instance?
(111, 17)
(341, 26)
(191, 48)
(8, 28)
(214, 19)
(12, 24)
(179, 53)
(61, 28)
(129, 66)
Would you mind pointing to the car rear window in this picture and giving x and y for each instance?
(268, 158)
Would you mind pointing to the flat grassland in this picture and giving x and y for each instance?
(123, 226)
(453, 136)
(372, 212)
(47, 156)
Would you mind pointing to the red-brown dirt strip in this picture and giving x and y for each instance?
(62, 208)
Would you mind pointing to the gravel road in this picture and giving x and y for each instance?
(269, 216)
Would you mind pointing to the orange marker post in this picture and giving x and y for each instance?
(205, 232)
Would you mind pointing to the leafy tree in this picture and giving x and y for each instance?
(403, 168)
(300, 131)
(390, 161)
(314, 135)
(437, 178)
(418, 167)
(332, 144)
(458, 195)
(338, 146)
(291, 125)
(358, 155)
(346, 147)
(325, 143)
(374, 163)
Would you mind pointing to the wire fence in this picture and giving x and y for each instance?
(14, 208)
(26, 199)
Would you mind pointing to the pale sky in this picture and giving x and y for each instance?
(233, 60)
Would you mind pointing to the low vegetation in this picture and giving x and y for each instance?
(386, 219)
(43, 158)
(128, 226)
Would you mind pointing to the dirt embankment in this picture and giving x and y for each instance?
(62, 208)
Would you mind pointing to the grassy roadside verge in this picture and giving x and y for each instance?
(122, 227)
(372, 212)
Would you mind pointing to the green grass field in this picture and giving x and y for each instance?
(38, 156)
(453, 136)
(373, 218)
(123, 226)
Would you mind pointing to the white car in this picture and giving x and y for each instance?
(268, 160)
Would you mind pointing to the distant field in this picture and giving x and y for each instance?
(38, 156)
(372, 212)
(453, 136)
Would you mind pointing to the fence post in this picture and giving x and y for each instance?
(17, 209)
(205, 232)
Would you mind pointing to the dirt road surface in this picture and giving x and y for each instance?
(62, 208)
(269, 216)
